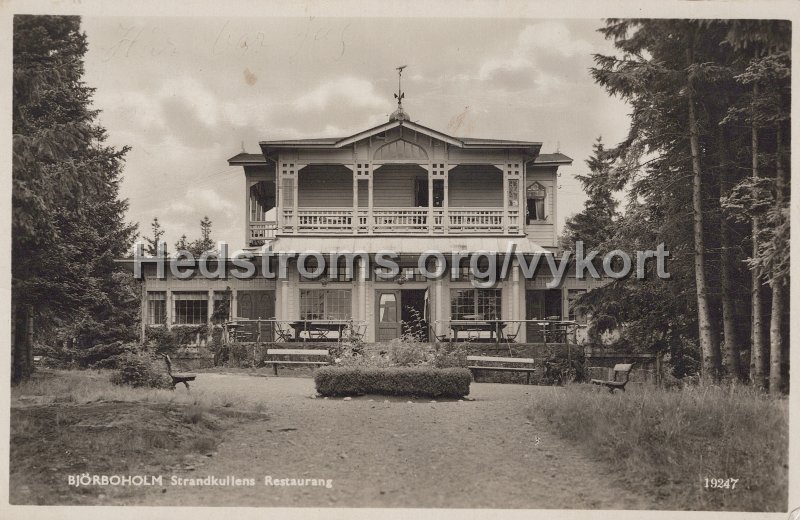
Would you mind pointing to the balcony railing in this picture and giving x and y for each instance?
(262, 231)
(398, 221)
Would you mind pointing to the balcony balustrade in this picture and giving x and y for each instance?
(388, 221)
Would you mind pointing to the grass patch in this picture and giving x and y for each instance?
(89, 386)
(666, 443)
(72, 422)
(419, 382)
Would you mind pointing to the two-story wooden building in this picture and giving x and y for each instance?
(399, 187)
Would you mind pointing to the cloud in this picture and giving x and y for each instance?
(347, 91)
(191, 93)
(537, 60)
(552, 36)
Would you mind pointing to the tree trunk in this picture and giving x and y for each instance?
(778, 288)
(758, 349)
(709, 348)
(22, 347)
(733, 347)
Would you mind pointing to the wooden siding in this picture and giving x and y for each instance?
(475, 186)
(393, 185)
(323, 186)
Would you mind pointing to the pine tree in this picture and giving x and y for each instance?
(594, 225)
(68, 223)
(152, 243)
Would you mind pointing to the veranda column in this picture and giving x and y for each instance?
(354, 213)
(362, 290)
(438, 172)
(289, 180)
(363, 171)
(248, 216)
(170, 310)
(234, 304)
(517, 296)
(429, 219)
(441, 303)
(512, 172)
(210, 313)
(143, 314)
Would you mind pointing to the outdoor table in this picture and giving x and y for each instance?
(495, 328)
(317, 326)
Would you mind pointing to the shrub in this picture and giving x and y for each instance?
(408, 354)
(419, 381)
(141, 371)
(449, 355)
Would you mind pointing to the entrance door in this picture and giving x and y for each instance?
(540, 305)
(387, 315)
(412, 313)
(256, 304)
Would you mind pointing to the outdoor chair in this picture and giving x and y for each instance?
(283, 333)
(511, 333)
(357, 331)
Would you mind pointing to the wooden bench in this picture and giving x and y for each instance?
(180, 377)
(475, 363)
(294, 353)
(621, 368)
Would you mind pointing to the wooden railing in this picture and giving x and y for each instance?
(262, 231)
(364, 221)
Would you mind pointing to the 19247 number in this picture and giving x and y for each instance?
(721, 483)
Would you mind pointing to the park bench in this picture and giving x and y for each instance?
(320, 357)
(476, 363)
(621, 368)
(180, 377)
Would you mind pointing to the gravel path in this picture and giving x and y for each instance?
(473, 454)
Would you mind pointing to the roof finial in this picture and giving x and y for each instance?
(399, 114)
(399, 96)
(243, 150)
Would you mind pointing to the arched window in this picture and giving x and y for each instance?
(535, 195)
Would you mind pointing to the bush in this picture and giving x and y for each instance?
(419, 381)
(106, 356)
(141, 371)
(449, 355)
(409, 354)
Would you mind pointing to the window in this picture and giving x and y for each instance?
(340, 273)
(191, 308)
(574, 314)
(535, 195)
(387, 308)
(475, 304)
(408, 274)
(421, 192)
(156, 308)
(325, 304)
(438, 193)
(222, 307)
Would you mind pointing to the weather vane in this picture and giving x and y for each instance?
(399, 96)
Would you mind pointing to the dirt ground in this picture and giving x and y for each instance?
(483, 452)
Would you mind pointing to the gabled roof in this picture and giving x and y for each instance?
(460, 142)
(245, 159)
(552, 158)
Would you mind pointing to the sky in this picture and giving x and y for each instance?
(188, 93)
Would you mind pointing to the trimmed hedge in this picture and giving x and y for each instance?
(417, 381)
